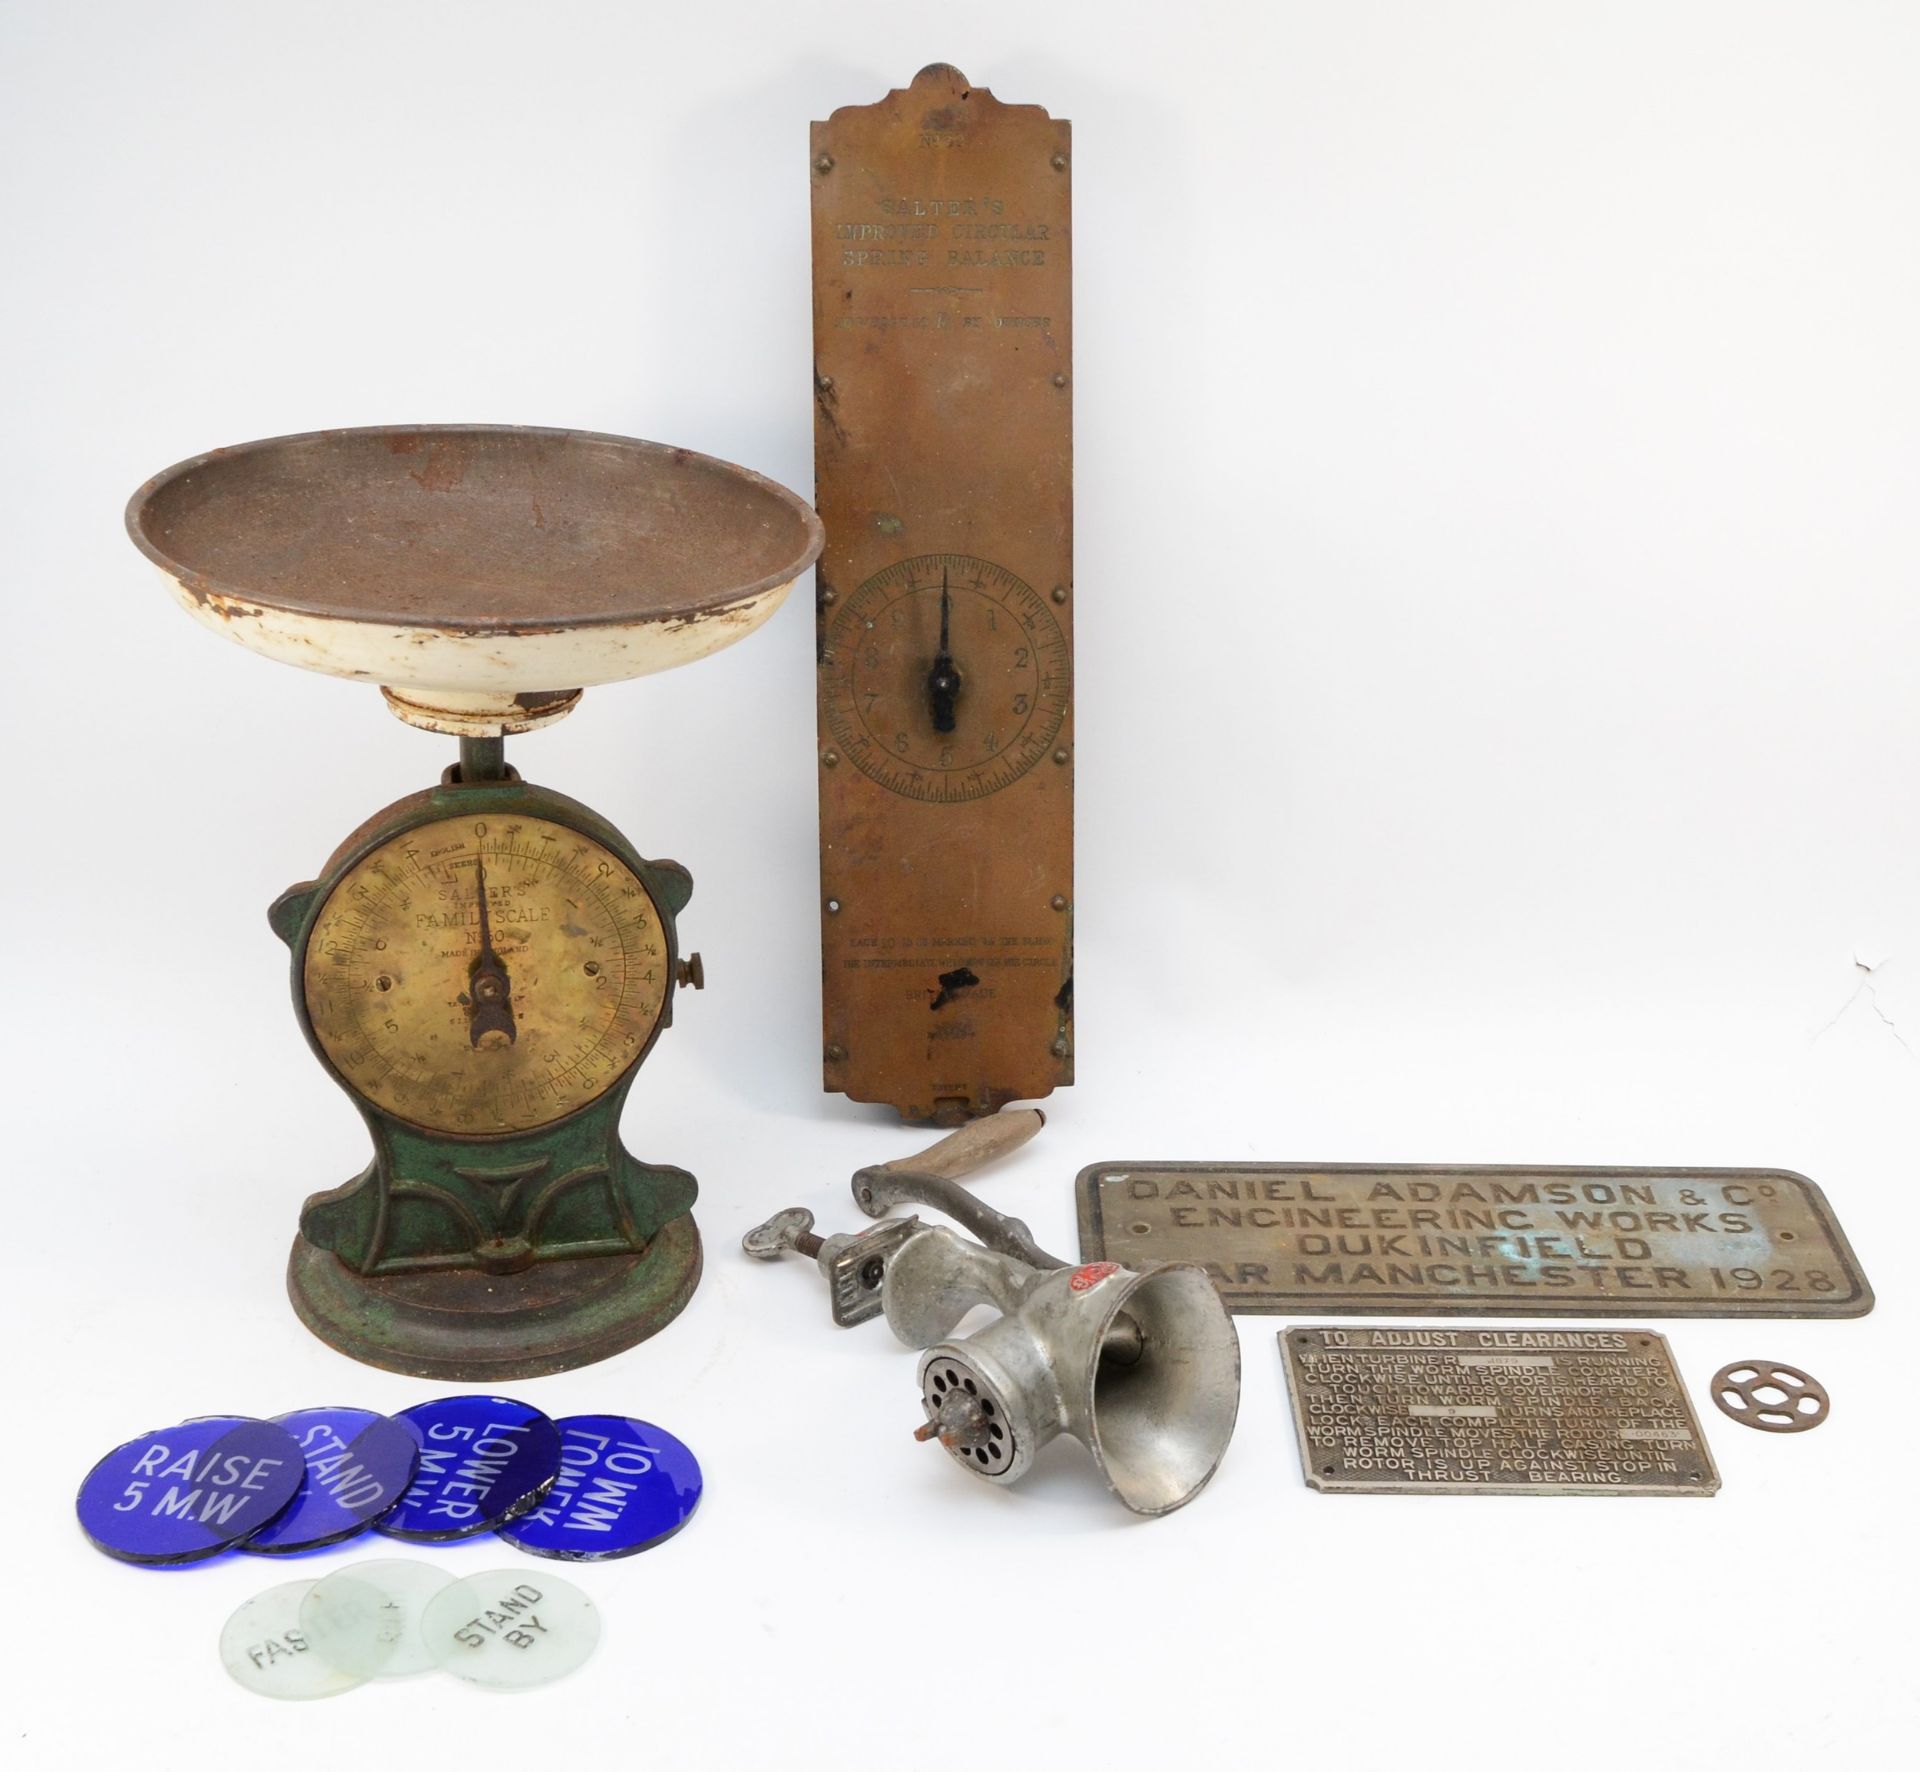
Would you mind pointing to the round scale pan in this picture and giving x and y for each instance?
(482, 574)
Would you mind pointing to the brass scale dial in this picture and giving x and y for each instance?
(947, 678)
(484, 967)
(480, 975)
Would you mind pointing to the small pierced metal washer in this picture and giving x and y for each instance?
(1774, 1398)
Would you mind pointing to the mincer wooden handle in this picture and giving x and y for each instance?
(975, 1145)
(932, 1178)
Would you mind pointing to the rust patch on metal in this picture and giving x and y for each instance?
(538, 701)
(961, 978)
(446, 467)
(825, 401)
(943, 448)
(218, 603)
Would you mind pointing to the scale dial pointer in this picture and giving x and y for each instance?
(944, 679)
(489, 996)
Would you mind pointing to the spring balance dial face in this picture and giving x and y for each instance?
(946, 677)
(481, 976)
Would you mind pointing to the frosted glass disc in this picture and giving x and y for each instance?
(366, 1618)
(511, 1628)
(265, 1649)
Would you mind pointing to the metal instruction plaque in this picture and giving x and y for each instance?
(943, 452)
(1386, 1411)
(1446, 1240)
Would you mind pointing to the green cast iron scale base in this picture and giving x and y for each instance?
(498, 1250)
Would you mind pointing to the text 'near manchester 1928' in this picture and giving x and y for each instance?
(1458, 1240)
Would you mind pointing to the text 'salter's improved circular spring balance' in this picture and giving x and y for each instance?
(483, 966)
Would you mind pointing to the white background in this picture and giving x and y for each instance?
(1498, 742)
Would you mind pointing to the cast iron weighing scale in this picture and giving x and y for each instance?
(483, 966)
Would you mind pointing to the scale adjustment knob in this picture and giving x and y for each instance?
(692, 973)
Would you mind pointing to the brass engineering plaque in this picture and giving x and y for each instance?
(1444, 1240)
(1384, 1411)
(943, 445)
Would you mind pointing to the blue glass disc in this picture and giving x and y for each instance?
(482, 1461)
(624, 1485)
(182, 1493)
(358, 1464)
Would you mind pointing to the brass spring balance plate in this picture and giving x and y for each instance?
(1456, 1240)
(1388, 1411)
(943, 442)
